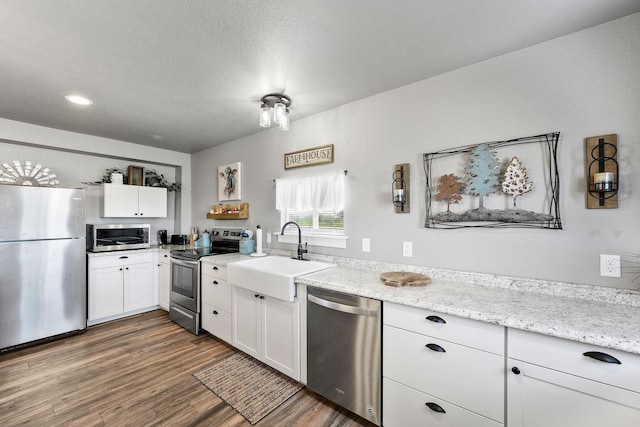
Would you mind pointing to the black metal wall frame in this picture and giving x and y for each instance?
(548, 141)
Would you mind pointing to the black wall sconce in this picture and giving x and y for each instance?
(400, 187)
(601, 158)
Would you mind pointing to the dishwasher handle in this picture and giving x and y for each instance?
(342, 307)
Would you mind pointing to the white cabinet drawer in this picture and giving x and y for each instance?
(214, 270)
(569, 356)
(467, 377)
(216, 292)
(217, 322)
(406, 407)
(472, 333)
(119, 259)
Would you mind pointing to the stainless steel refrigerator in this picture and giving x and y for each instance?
(43, 284)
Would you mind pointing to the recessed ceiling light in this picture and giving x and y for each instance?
(77, 99)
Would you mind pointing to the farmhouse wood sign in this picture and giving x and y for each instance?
(309, 157)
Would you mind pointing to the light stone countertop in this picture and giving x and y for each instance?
(606, 317)
(600, 316)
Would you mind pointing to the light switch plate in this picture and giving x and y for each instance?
(407, 249)
(366, 244)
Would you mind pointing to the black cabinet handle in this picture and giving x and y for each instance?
(126, 268)
(215, 312)
(120, 268)
(435, 347)
(515, 370)
(257, 296)
(215, 268)
(166, 256)
(436, 319)
(603, 357)
(124, 257)
(261, 296)
(215, 282)
(435, 407)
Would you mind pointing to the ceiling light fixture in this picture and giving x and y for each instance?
(77, 99)
(280, 104)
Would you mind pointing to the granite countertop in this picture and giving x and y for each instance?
(599, 316)
(153, 248)
(605, 317)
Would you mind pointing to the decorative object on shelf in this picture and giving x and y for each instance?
(479, 197)
(238, 211)
(229, 182)
(400, 187)
(28, 174)
(136, 175)
(309, 157)
(601, 158)
(152, 179)
(279, 103)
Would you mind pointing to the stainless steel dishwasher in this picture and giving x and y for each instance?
(344, 350)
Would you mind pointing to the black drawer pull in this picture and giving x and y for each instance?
(215, 282)
(124, 257)
(515, 370)
(435, 347)
(215, 268)
(257, 295)
(215, 312)
(435, 407)
(603, 357)
(436, 319)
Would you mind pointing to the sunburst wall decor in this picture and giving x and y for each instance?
(16, 173)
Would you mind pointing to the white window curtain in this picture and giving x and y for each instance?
(321, 192)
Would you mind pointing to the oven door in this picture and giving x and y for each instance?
(184, 283)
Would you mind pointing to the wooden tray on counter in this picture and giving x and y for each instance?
(399, 279)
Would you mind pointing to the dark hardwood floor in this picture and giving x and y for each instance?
(135, 372)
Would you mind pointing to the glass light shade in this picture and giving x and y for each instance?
(284, 121)
(265, 116)
(279, 110)
(398, 196)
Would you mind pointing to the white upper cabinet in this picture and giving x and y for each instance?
(132, 201)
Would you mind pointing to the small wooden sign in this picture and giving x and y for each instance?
(309, 157)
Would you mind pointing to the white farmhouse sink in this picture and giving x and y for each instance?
(272, 275)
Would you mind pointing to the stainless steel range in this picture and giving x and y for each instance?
(185, 305)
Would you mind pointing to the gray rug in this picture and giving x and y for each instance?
(249, 386)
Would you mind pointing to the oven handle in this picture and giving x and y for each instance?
(184, 262)
(184, 313)
(342, 307)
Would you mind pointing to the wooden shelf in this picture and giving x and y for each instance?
(243, 213)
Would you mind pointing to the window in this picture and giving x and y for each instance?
(316, 203)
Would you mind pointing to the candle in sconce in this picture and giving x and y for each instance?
(604, 181)
(398, 195)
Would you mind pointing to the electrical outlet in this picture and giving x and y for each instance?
(366, 245)
(268, 237)
(407, 249)
(610, 265)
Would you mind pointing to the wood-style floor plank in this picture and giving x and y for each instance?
(135, 372)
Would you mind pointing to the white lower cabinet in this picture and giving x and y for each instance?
(554, 382)
(406, 406)
(216, 301)
(441, 370)
(120, 284)
(267, 329)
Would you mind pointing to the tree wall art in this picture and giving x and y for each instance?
(513, 183)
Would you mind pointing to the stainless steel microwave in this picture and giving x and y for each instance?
(117, 237)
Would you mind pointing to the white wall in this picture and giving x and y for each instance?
(77, 158)
(582, 85)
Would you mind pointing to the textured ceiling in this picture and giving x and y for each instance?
(187, 75)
